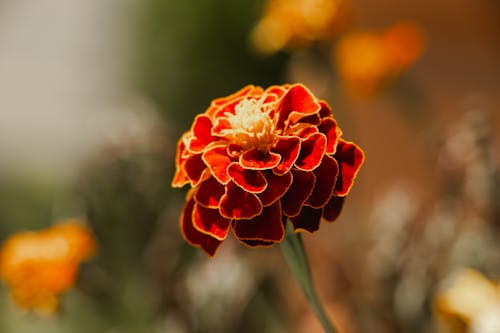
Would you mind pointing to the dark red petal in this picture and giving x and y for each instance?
(193, 236)
(288, 147)
(267, 226)
(332, 132)
(202, 133)
(209, 193)
(326, 110)
(195, 169)
(308, 219)
(326, 177)
(237, 203)
(249, 180)
(297, 103)
(312, 150)
(302, 130)
(257, 160)
(333, 208)
(299, 191)
(311, 119)
(350, 158)
(217, 161)
(276, 187)
(256, 243)
(209, 221)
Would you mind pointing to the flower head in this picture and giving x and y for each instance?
(258, 157)
(39, 266)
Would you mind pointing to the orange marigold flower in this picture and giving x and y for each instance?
(258, 157)
(366, 60)
(39, 266)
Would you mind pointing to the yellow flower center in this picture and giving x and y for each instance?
(252, 125)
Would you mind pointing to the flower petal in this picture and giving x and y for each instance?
(195, 169)
(257, 160)
(218, 161)
(268, 226)
(180, 178)
(325, 109)
(288, 147)
(276, 186)
(333, 208)
(237, 203)
(299, 191)
(312, 150)
(332, 132)
(308, 219)
(249, 180)
(192, 235)
(326, 177)
(209, 193)
(202, 133)
(297, 103)
(350, 158)
(210, 222)
(256, 243)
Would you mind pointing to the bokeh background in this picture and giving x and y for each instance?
(94, 94)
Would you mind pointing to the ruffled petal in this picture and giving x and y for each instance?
(297, 103)
(325, 109)
(257, 160)
(180, 178)
(299, 191)
(249, 180)
(312, 150)
(333, 208)
(210, 222)
(332, 132)
(267, 226)
(208, 243)
(308, 219)
(195, 169)
(201, 133)
(276, 187)
(237, 203)
(218, 161)
(326, 177)
(288, 147)
(209, 193)
(350, 158)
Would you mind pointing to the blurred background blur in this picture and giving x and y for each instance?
(94, 95)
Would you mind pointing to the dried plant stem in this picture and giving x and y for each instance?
(295, 255)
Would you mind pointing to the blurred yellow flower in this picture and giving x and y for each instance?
(39, 266)
(296, 23)
(367, 60)
(469, 302)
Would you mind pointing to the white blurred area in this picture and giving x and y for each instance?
(63, 82)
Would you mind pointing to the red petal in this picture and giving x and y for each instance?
(218, 161)
(288, 147)
(209, 221)
(195, 169)
(257, 160)
(180, 178)
(237, 203)
(326, 110)
(326, 177)
(276, 90)
(221, 124)
(350, 158)
(267, 226)
(276, 187)
(299, 191)
(249, 180)
(297, 103)
(202, 133)
(193, 236)
(256, 243)
(329, 127)
(312, 150)
(209, 193)
(333, 208)
(249, 89)
(308, 219)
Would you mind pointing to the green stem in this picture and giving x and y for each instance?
(295, 255)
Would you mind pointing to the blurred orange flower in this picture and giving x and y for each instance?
(468, 302)
(367, 60)
(296, 23)
(258, 157)
(39, 266)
